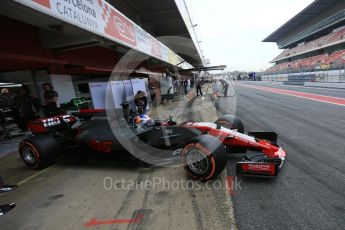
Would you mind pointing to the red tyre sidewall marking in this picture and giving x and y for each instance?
(32, 147)
(205, 151)
(209, 154)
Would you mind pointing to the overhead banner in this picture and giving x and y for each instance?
(99, 17)
(83, 12)
(143, 40)
(156, 50)
(118, 26)
(165, 53)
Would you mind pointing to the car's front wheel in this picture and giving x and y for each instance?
(204, 158)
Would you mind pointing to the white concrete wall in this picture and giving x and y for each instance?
(278, 77)
(41, 78)
(321, 76)
(325, 85)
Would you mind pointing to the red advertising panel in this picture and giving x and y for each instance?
(156, 48)
(45, 3)
(120, 28)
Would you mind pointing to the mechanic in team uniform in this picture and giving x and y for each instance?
(7, 109)
(140, 101)
(51, 98)
(28, 107)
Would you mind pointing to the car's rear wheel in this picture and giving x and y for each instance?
(231, 122)
(204, 158)
(39, 151)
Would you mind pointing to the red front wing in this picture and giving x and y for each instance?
(265, 158)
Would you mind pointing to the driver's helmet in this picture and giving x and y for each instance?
(143, 120)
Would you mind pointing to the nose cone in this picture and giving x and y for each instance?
(281, 154)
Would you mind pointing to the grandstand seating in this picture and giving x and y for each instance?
(336, 36)
(336, 57)
(322, 59)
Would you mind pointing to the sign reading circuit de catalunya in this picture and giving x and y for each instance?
(99, 17)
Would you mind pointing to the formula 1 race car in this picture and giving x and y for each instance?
(201, 147)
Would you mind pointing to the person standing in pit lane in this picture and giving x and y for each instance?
(225, 86)
(6, 101)
(51, 98)
(9, 99)
(185, 86)
(28, 107)
(198, 84)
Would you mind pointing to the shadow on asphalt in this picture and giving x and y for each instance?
(120, 160)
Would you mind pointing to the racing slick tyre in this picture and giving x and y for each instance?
(231, 122)
(39, 151)
(204, 157)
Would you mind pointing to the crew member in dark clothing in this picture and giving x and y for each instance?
(153, 86)
(27, 108)
(198, 84)
(225, 86)
(6, 98)
(6, 109)
(50, 100)
(140, 101)
(185, 86)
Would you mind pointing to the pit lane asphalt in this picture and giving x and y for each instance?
(309, 193)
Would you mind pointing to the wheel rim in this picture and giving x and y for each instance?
(28, 155)
(197, 161)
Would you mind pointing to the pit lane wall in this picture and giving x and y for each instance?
(323, 79)
(99, 17)
(324, 76)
